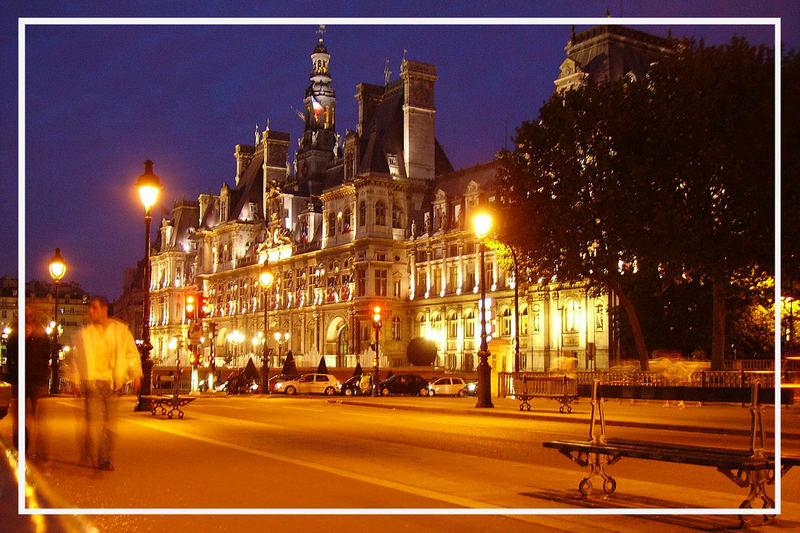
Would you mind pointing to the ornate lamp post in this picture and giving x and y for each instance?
(266, 278)
(149, 186)
(482, 222)
(377, 323)
(57, 270)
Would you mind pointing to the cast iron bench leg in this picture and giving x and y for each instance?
(597, 463)
(757, 481)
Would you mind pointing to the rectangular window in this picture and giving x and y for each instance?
(380, 282)
(452, 280)
(437, 281)
(396, 333)
(453, 250)
(396, 292)
(361, 283)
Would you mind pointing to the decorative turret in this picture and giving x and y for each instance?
(318, 144)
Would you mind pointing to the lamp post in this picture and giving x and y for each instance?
(57, 269)
(149, 186)
(281, 338)
(376, 323)
(266, 278)
(482, 222)
(516, 310)
(235, 338)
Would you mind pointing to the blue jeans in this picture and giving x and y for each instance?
(100, 415)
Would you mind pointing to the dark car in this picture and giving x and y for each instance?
(405, 384)
(357, 386)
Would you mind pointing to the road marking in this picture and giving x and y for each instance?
(410, 489)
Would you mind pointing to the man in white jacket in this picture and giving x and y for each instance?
(104, 360)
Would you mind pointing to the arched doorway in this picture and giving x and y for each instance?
(342, 345)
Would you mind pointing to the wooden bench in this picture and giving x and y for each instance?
(173, 401)
(753, 468)
(563, 389)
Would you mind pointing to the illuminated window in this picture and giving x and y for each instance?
(469, 324)
(346, 221)
(523, 321)
(380, 282)
(570, 319)
(505, 322)
(331, 223)
(436, 323)
(421, 325)
(452, 325)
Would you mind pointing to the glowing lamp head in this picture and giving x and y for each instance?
(57, 266)
(189, 304)
(148, 185)
(266, 278)
(482, 222)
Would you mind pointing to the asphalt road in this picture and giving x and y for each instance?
(309, 455)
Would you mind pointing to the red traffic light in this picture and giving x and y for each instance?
(376, 316)
(203, 308)
(190, 303)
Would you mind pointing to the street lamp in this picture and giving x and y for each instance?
(235, 338)
(149, 186)
(266, 278)
(280, 338)
(57, 270)
(482, 222)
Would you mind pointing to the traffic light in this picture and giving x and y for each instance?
(376, 317)
(190, 306)
(192, 359)
(203, 308)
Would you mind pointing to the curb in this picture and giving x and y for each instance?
(553, 418)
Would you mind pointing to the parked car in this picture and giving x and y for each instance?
(448, 386)
(5, 398)
(274, 380)
(404, 384)
(357, 385)
(309, 383)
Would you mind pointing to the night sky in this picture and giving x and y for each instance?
(102, 99)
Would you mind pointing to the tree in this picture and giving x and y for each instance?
(421, 352)
(790, 193)
(650, 182)
(714, 111)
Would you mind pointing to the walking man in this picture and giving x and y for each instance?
(104, 360)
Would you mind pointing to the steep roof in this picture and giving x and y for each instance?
(250, 187)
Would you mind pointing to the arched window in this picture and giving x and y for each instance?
(505, 322)
(536, 319)
(380, 213)
(421, 324)
(436, 323)
(452, 325)
(523, 321)
(570, 320)
(397, 217)
(347, 221)
(331, 223)
(362, 213)
(469, 324)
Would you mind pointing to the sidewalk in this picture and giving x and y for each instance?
(717, 418)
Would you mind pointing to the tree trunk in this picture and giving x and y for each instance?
(718, 322)
(636, 327)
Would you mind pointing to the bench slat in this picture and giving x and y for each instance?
(721, 458)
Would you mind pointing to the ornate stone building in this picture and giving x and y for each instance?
(378, 217)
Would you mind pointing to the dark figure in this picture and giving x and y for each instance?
(37, 379)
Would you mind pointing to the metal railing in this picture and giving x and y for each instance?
(702, 378)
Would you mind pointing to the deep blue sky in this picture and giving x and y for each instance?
(102, 99)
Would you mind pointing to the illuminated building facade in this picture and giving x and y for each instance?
(376, 217)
